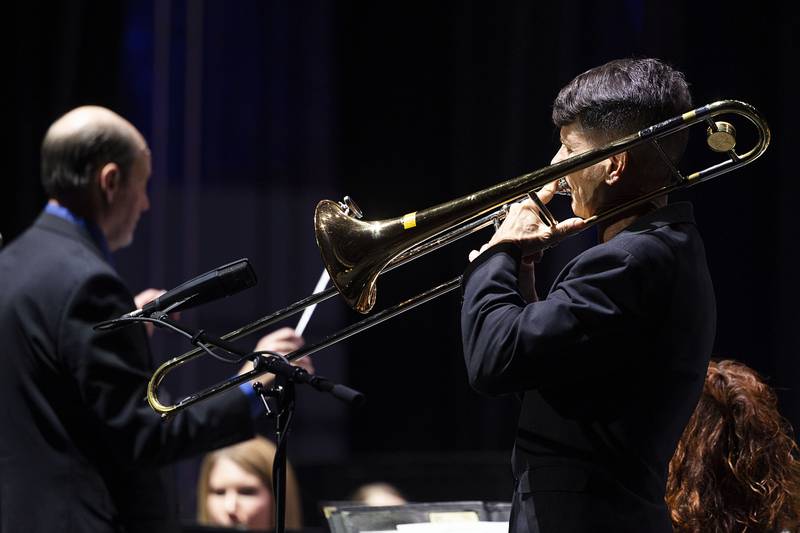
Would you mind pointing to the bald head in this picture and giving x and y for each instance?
(79, 143)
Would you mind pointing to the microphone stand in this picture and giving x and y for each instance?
(282, 389)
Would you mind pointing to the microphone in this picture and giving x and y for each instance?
(218, 283)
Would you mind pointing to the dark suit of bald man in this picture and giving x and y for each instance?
(80, 449)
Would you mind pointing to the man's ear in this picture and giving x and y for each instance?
(109, 180)
(617, 164)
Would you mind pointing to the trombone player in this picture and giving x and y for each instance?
(610, 364)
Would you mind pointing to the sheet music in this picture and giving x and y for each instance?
(448, 527)
(454, 527)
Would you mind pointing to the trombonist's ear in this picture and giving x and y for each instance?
(616, 165)
(110, 181)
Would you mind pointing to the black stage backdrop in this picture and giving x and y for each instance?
(256, 110)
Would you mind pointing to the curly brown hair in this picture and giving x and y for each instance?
(736, 467)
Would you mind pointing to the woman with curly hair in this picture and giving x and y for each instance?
(736, 468)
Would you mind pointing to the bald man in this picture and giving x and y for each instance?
(80, 450)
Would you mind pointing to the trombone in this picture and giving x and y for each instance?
(355, 252)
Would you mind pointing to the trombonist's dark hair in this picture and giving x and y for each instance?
(69, 161)
(623, 96)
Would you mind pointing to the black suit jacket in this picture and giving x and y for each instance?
(80, 449)
(610, 366)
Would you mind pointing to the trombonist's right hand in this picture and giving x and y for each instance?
(283, 341)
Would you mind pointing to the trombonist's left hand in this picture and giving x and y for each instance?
(524, 227)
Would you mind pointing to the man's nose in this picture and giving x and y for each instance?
(558, 157)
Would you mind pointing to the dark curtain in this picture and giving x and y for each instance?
(62, 54)
(257, 110)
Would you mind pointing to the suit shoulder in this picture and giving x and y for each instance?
(659, 244)
(41, 261)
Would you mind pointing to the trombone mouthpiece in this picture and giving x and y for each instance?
(563, 187)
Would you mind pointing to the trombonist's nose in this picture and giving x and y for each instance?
(559, 156)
